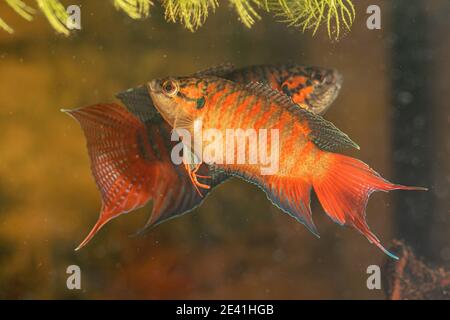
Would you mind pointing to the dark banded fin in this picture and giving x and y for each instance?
(262, 89)
(180, 197)
(138, 101)
(323, 133)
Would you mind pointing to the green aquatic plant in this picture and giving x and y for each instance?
(191, 13)
(136, 9)
(53, 9)
(311, 14)
(56, 14)
(246, 10)
(304, 14)
(22, 9)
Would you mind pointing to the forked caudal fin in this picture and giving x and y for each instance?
(131, 165)
(343, 186)
(115, 141)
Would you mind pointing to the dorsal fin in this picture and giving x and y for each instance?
(219, 71)
(280, 98)
(138, 101)
(323, 133)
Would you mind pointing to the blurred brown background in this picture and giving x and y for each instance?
(236, 245)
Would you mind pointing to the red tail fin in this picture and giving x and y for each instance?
(118, 159)
(131, 165)
(344, 188)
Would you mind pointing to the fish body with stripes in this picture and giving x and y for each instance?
(309, 147)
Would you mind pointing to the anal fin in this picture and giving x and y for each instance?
(292, 195)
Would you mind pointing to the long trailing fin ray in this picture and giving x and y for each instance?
(343, 186)
(131, 165)
(119, 159)
(343, 189)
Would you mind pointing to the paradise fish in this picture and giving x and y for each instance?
(130, 152)
(307, 147)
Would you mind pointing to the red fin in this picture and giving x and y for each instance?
(119, 159)
(175, 195)
(131, 165)
(343, 189)
(292, 195)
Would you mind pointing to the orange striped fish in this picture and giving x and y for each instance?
(307, 147)
(130, 152)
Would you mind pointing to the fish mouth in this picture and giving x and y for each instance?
(153, 86)
(155, 92)
(326, 91)
(331, 86)
(337, 79)
(332, 78)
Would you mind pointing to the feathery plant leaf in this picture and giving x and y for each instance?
(56, 15)
(135, 9)
(247, 14)
(22, 9)
(5, 26)
(305, 14)
(311, 14)
(191, 13)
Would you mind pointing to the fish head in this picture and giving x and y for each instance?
(316, 86)
(178, 98)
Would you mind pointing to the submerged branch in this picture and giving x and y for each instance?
(411, 279)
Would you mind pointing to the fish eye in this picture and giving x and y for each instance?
(170, 87)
